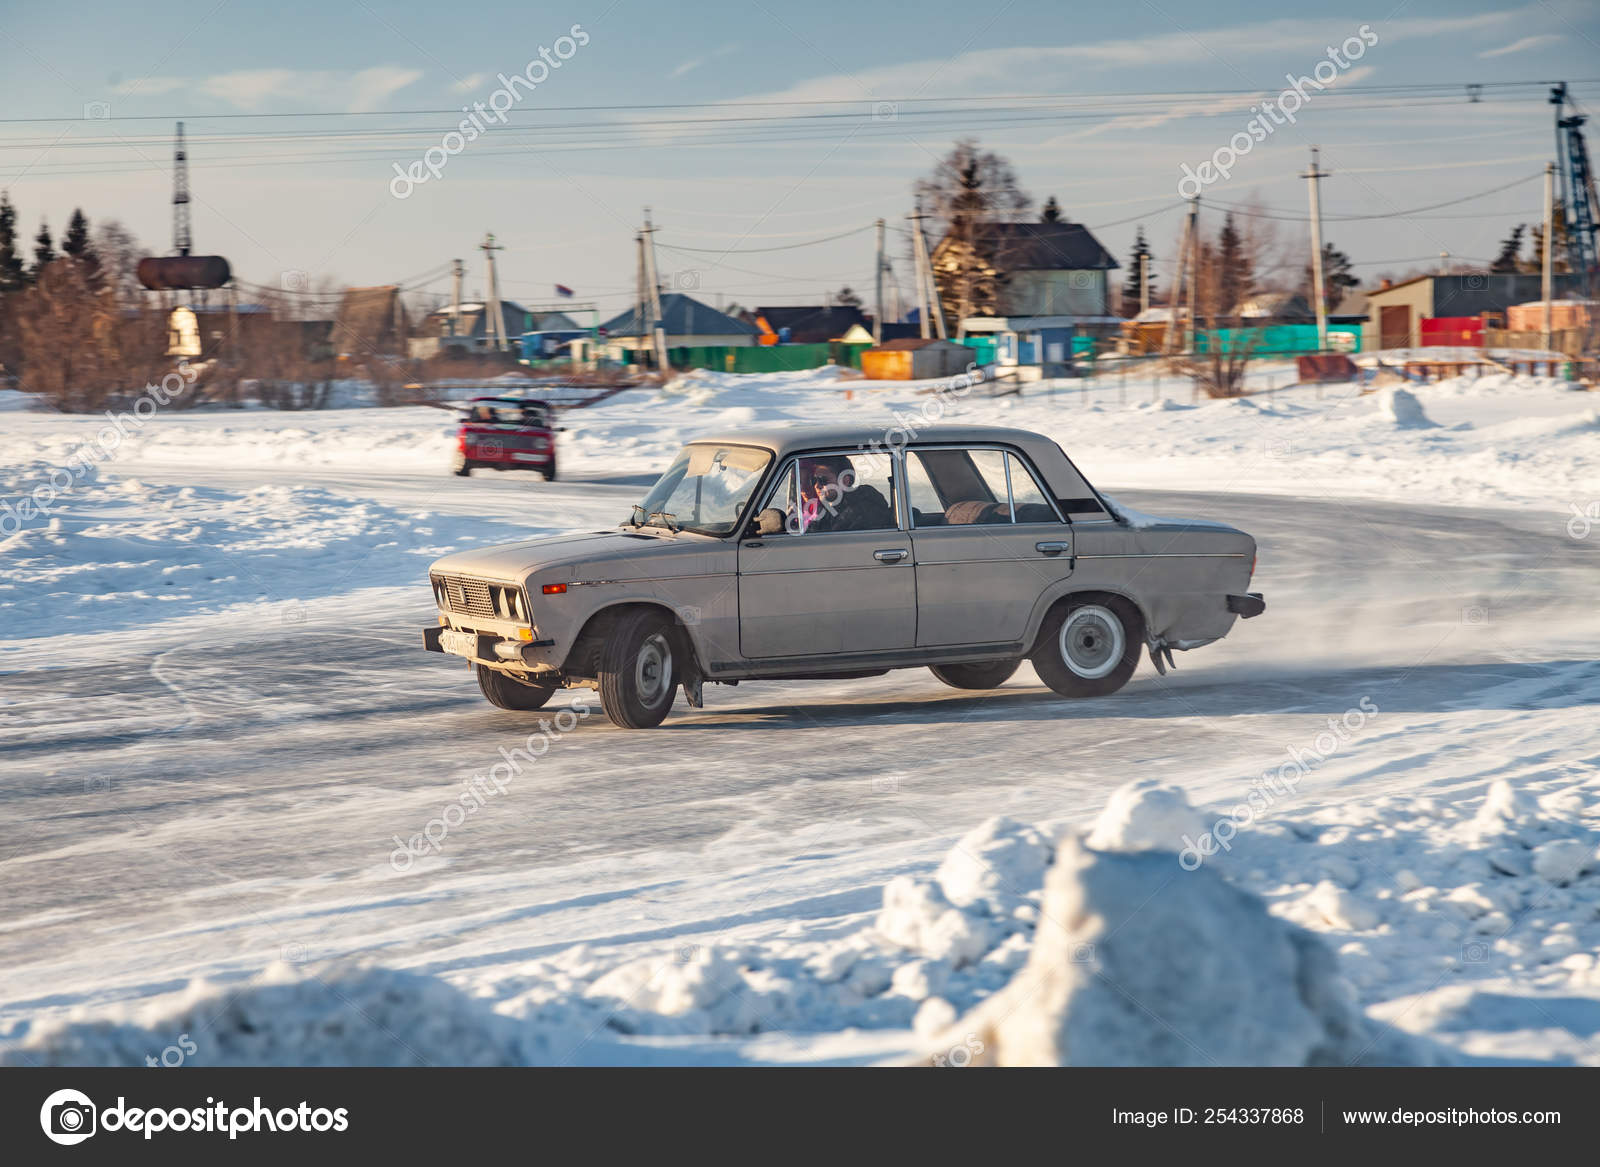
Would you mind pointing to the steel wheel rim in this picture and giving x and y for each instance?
(653, 669)
(1092, 641)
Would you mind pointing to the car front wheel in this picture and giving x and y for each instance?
(550, 469)
(983, 675)
(638, 675)
(506, 692)
(1089, 647)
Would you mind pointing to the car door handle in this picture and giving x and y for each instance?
(1052, 547)
(892, 555)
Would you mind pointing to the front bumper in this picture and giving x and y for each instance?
(483, 648)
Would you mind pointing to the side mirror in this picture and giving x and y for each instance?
(770, 522)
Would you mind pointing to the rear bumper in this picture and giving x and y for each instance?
(1248, 605)
(503, 457)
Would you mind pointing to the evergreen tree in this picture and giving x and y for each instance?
(44, 249)
(12, 273)
(1337, 276)
(76, 241)
(847, 298)
(1235, 280)
(1051, 212)
(1510, 248)
(1133, 285)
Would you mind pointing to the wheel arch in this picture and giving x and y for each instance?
(582, 660)
(1056, 599)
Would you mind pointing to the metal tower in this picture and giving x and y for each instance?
(1578, 201)
(180, 198)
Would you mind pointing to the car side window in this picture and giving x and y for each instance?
(1028, 502)
(963, 488)
(958, 488)
(825, 493)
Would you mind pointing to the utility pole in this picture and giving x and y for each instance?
(1549, 231)
(1169, 343)
(1313, 176)
(641, 301)
(1194, 275)
(658, 333)
(877, 311)
(919, 279)
(1144, 282)
(495, 322)
(928, 292)
(457, 270)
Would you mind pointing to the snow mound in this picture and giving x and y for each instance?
(994, 865)
(1400, 406)
(1131, 966)
(342, 1017)
(1145, 816)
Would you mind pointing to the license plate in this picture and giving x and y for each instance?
(459, 643)
(522, 457)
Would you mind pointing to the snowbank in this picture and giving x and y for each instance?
(1332, 936)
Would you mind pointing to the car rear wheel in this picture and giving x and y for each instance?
(505, 692)
(462, 465)
(638, 673)
(982, 675)
(1089, 646)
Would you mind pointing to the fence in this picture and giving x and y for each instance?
(776, 358)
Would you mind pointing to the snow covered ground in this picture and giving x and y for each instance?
(215, 725)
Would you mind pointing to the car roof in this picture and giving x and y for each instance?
(782, 440)
(508, 401)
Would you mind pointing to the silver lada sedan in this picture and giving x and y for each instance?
(826, 554)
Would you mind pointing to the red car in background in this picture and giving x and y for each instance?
(506, 433)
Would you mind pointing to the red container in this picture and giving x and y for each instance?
(1452, 331)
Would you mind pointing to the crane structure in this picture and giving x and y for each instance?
(1579, 205)
(181, 242)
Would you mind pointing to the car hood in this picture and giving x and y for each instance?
(514, 561)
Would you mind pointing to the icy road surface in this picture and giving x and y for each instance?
(230, 794)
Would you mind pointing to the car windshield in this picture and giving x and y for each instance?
(705, 490)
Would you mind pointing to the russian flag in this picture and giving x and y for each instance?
(563, 290)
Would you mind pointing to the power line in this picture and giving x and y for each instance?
(756, 250)
(1253, 213)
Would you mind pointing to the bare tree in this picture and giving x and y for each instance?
(80, 348)
(968, 189)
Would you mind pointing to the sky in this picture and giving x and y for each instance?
(307, 122)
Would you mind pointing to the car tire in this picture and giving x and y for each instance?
(549, 471)
(1089, 646)
(981, 675)
(505, 692)
(462, 465)
(638, 672)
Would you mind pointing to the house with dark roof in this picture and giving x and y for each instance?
(1029, 269)
(687, 321)
(809, 324)
(470, 330)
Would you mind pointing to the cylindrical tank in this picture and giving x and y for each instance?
(184, 271)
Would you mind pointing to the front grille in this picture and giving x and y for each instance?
(476, 597)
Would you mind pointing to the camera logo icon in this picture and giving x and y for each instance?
(68, 1117)
(686, 281)
(294, 280)
(98, 110)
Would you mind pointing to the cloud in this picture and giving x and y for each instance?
(470, 83)
(1294, 43)
(252, 89)
(694, 63)
(1527, 42)
(149, 86)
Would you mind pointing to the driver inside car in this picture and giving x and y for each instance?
(834, 499)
